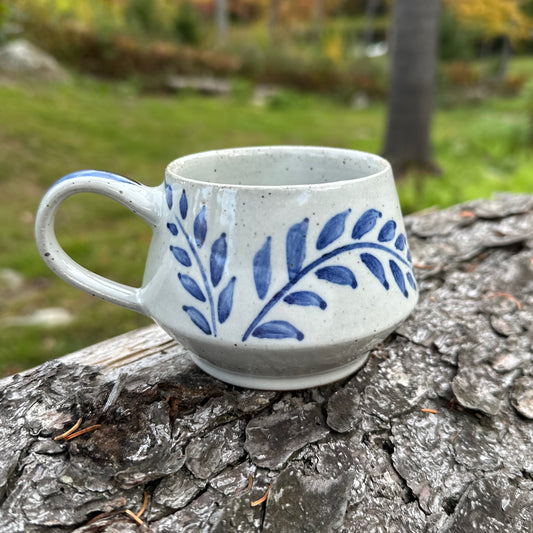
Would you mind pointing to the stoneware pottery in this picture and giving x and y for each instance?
(277, 267)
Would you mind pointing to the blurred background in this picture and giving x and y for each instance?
(443, 89)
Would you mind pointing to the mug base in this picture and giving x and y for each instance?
(280, 383)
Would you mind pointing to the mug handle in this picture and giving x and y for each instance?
(141, 200)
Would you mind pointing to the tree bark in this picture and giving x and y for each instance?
(410, 104)
(273, 12)
(221, 14)
(434, 433)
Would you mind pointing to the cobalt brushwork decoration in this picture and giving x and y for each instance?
(397, 257)
(191, 247)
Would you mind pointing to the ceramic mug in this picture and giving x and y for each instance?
(277, 267)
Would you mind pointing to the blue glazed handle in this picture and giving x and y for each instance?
(141, 200)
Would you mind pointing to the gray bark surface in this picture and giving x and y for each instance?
(359, 455)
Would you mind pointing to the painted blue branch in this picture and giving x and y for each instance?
(311, 266)
(192, 247)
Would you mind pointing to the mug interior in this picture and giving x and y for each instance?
(277, 166)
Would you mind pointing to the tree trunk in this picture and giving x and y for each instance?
(221, 15)
(318, 18)
(273, 8)
(370, 17)
(414, 58)
(505, 56)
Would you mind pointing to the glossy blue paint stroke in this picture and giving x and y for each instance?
(398, 277)
(225, 301)
(184, 205)
(205, 281)
(172, 228)
(217, 259)
(168, 195)
(262, 269)
(400, 242)
(374, 265)
(387, 231)
(198, 318)
(310, 267)
(96, 174)
(305, 298)
(411, 280)
(181, 255)
(332, 230)
(337, 274)
(366, 223)
(295, 247)
(200, 227)
(191, 287)
(277, 329)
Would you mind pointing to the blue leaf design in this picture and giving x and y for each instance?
(411, 280)
(172, 228)
(400, 242)
(277, 329)
(409, 256)
(168, 195)
(181, 255)
(200, 227)
(332, 230)
(374, 265)
(365, 223)
(387, 232)
(262, 269)
(184, 205)
(295, 247)
(305, 298)
(191, 287)
(337, 274)
(198, 319)
(217, 260)
(398, 277)
(225, 301)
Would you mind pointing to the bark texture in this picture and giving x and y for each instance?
(359, 455)
(412, 85)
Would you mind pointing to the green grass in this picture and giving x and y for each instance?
(46, 132)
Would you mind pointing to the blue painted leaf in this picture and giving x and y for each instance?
(398, 277)
(277, 329)
(409, 256)
(191, 287)
(168, 195)
(374, 265)
(387, 231)
(262, 269)
(225, 301)
(181, 255)
(184, 205)
(198, 319)
(337, 274)
(217, 260)
(365, 223)
(172, 228)
(200, 227)
(400, 242)
(305, 298)
(411, 280)
(295, 247)
(332, 230)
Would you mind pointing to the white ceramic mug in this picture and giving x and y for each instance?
(278, 267)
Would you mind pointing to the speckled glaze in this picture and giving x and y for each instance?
(278, 267)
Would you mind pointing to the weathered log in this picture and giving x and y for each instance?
(434, 434)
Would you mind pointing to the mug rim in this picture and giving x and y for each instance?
(347, 152)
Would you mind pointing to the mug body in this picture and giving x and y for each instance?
(279, 267)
